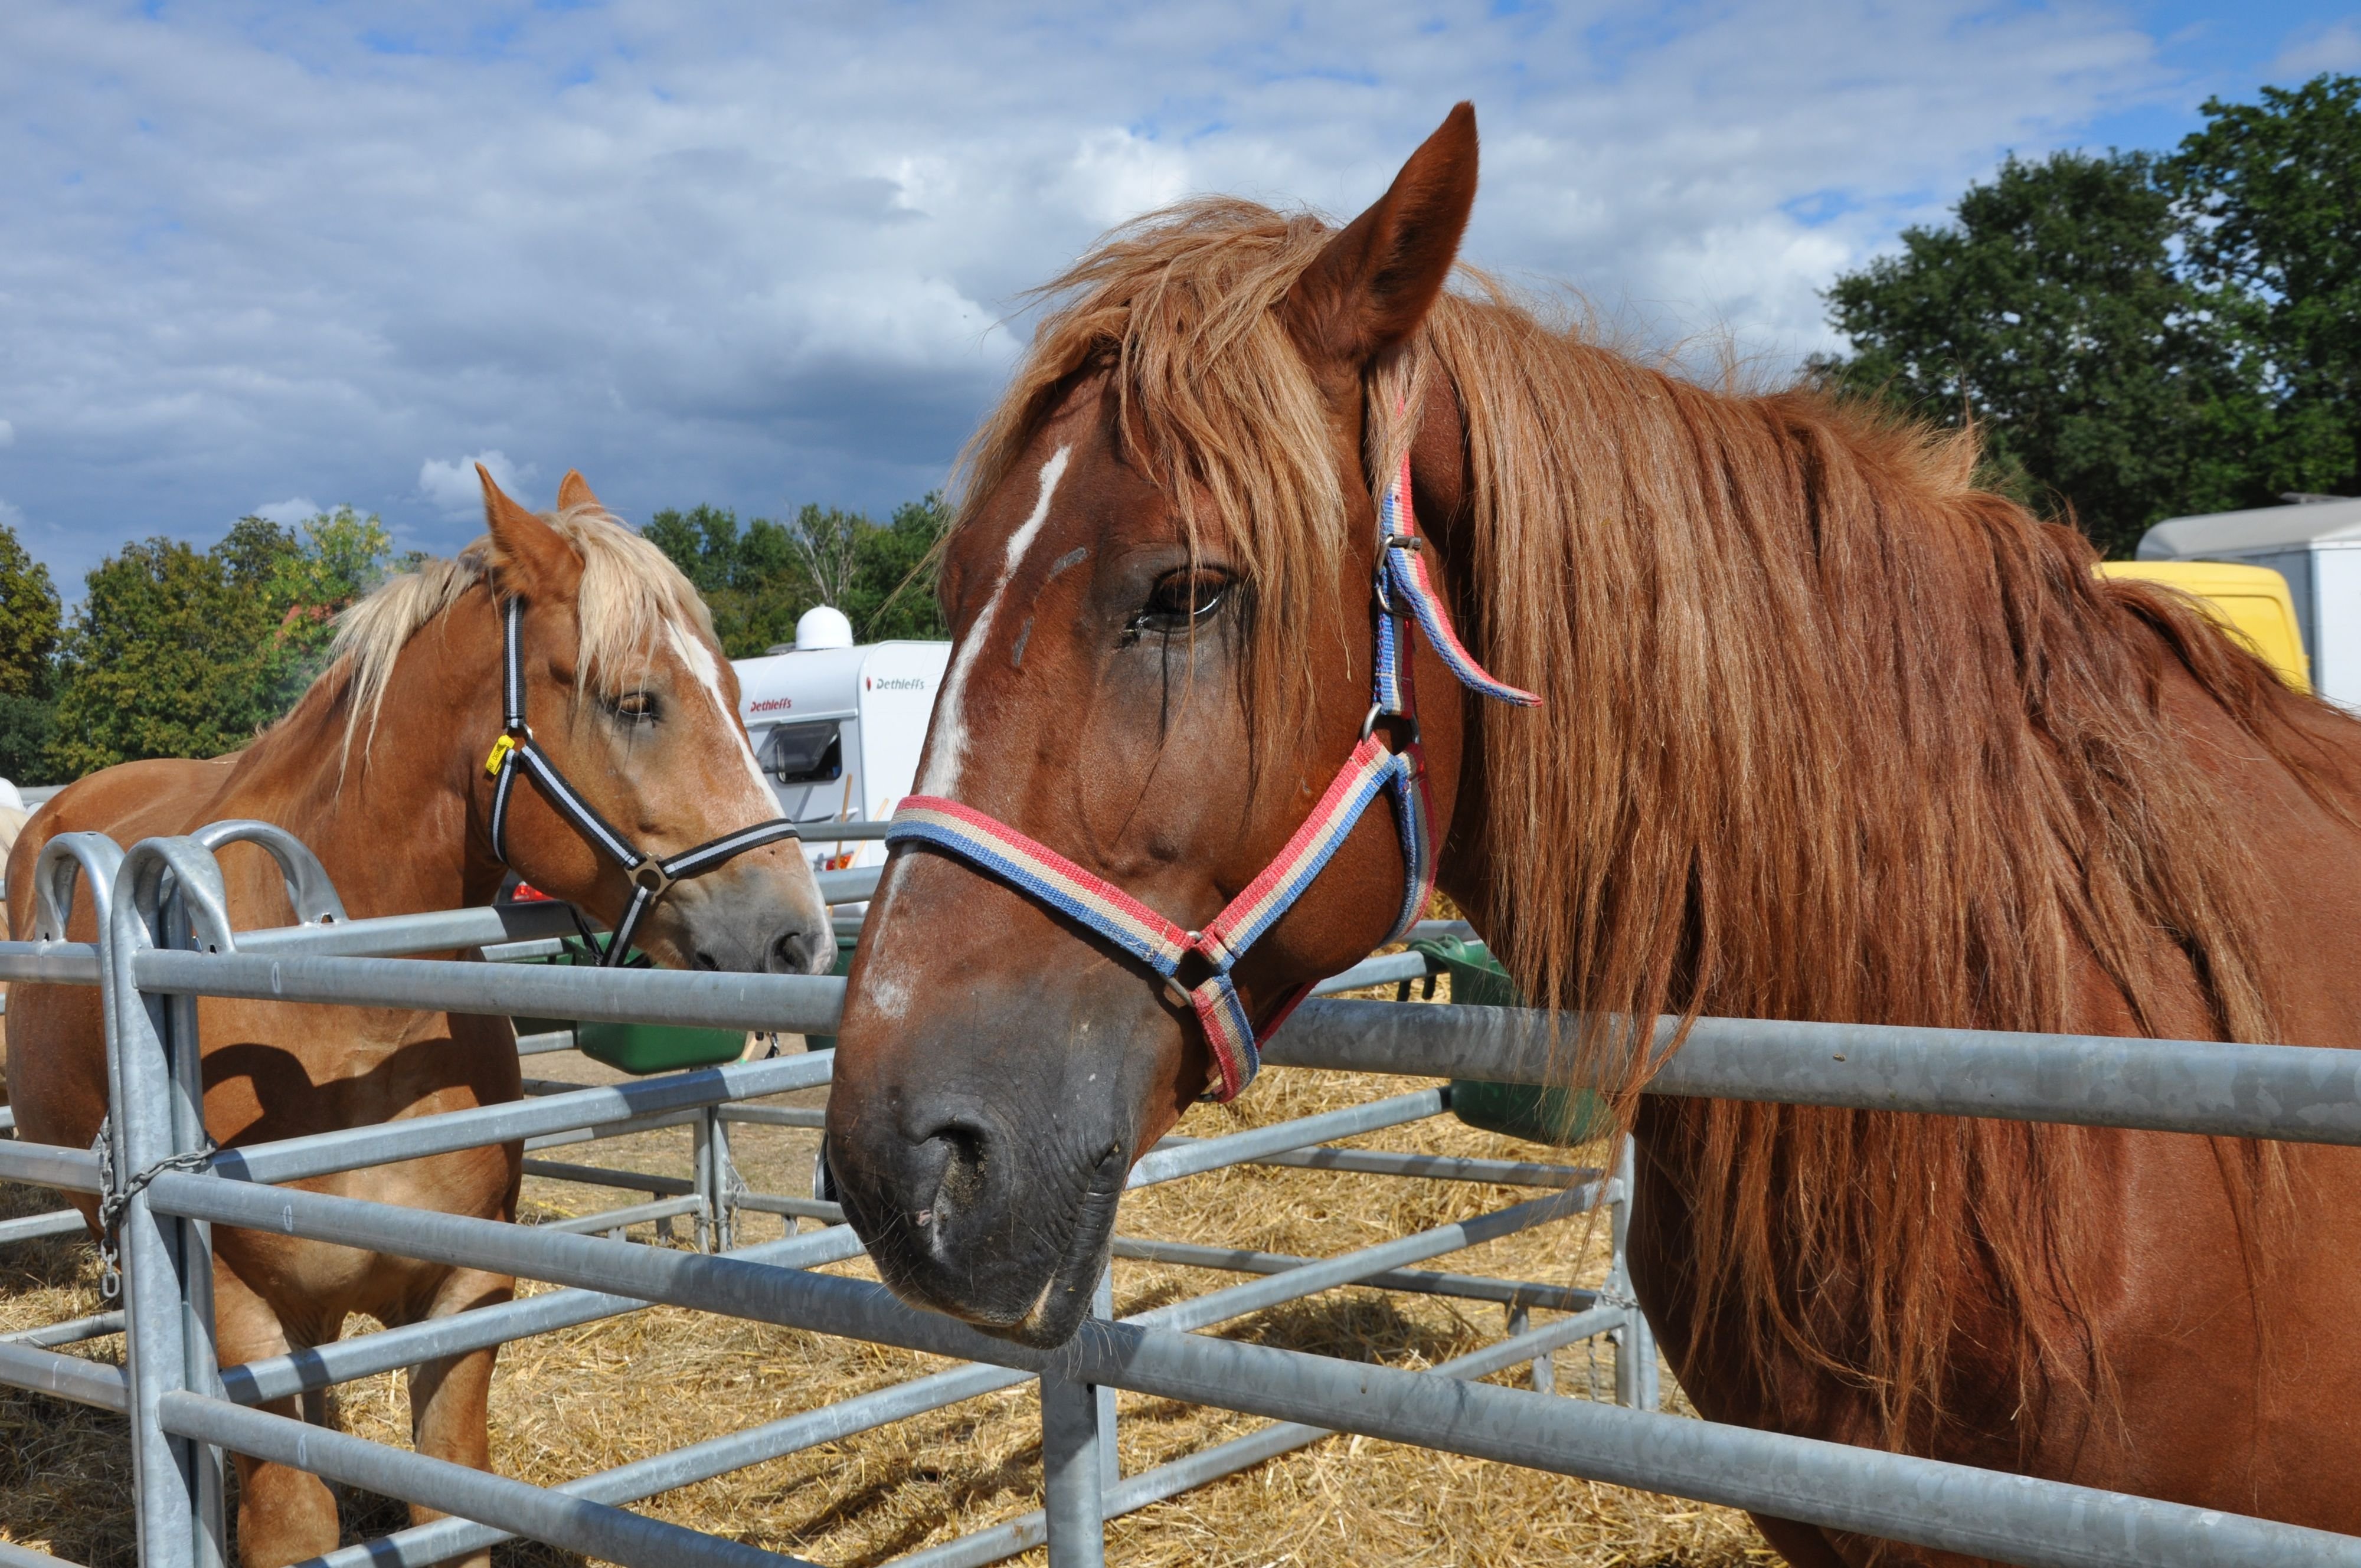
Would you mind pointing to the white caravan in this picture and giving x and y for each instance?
(2316, 547)
(838, 729)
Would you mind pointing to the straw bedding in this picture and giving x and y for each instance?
(598, 1396)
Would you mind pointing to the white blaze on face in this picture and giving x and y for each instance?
(948, 745)
(702, 665)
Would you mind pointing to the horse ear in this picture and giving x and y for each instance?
(574, 490)
(532, 557)
(1373, 285)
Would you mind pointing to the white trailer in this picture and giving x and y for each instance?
(838, 729)
(2316, 546)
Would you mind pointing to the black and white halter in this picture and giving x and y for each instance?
(516, 752)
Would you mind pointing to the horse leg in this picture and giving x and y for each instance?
(449, 1419)
(285, 1514)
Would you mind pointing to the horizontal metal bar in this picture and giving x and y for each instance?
(543, 1044)
(592, 1528)
(1192, 1471)
(599, 1225)
(439, 931)
(349, 1148)
(64, 1376)
(1162, 1164)
(446, 1538)
(46, 1165)
(1386, 969)
(777, 1115)
(98, 1325)
(856, 886)
(843, 832)
(15, 1556)
(1426, 1167)
(700, 1462)
(1421, 1282)
(795, 1003)
(516, 952)
(599, 1175)
(2305, 1094)
(56, 963)
(602, 1131)
(62, 1223)
(388, 1350)
(1898, 1496)
(795, 1208)
(7, 1114)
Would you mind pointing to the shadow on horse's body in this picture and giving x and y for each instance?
(638, 710)
(1825, 732)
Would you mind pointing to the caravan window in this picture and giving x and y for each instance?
(804, 753)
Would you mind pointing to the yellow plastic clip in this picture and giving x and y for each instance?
(500, 750)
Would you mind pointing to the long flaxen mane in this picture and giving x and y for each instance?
(630, 593)
(1829, 733)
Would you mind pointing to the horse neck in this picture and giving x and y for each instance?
(392, 817)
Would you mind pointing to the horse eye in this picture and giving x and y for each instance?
(638, 707)
(1181, 597)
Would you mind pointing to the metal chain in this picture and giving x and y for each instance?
(114, 1198)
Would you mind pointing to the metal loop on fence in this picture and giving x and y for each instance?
(310, 888)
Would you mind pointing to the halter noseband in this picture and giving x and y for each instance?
(1404, 591)
(516, 751)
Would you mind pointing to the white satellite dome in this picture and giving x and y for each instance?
(823, 626)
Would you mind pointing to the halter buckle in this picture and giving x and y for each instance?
(500, 750)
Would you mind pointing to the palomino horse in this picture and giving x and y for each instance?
(1825, 732)
(381, 769)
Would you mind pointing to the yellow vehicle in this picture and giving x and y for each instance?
(2252, 602)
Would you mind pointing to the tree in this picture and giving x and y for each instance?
(2270, 198)
(29, 619)
(175, 653)
(760, 579)
(29, 622)
(2137, 337)
(2050, 314)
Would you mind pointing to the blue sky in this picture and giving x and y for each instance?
(270, 258)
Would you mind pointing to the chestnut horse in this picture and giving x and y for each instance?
(380, 768)
(1827, 732)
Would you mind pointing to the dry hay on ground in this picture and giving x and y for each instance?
(601, 1395)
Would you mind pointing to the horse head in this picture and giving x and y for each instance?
(1161, 591)
(593, 731)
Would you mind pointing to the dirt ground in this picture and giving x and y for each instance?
(591, 1398)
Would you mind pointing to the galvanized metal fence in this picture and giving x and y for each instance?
(167, 940)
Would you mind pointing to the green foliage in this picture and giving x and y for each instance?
(177, 654)
(2271, 197)
(760, 579)
(29, 621)
(2137, 337)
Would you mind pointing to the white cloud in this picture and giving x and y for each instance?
(2333, 48)
(289, 512)
(757, 254)
(455, 489)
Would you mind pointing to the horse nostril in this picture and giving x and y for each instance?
(705, 960)
(797, 951)
(960, 1148)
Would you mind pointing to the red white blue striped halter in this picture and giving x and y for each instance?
(1404, 591)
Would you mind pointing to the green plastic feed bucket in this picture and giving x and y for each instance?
(845, 943)
(1520, 1111)
(637, 1049)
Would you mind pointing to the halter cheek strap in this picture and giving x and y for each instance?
(1404, 591)
(516, 754)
